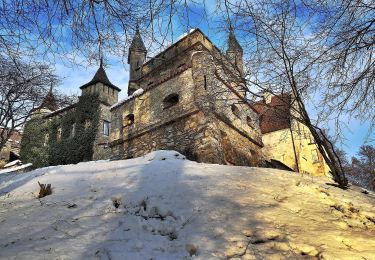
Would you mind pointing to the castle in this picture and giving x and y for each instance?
(187, 98)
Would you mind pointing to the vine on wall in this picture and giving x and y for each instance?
(71, 135)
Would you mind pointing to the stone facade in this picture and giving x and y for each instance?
(188, 103)
(188, 98)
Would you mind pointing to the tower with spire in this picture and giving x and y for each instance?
(136, 58)
(235, 52)
(101, 85)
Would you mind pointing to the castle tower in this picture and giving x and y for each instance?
(235, 52)
(100, 84)
(136, 58)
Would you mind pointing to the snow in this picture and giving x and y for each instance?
(162, 206)
(16, 169)
(136, 93)
(12, 163)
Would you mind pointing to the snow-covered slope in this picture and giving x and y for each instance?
(162, 206)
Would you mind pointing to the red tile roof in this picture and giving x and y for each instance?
(274, 115)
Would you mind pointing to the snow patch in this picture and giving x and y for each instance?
(162, 206)
(136, 93)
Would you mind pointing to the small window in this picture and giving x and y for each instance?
(105, 128)
(128, 120)
(235, 110)
(170, 100)
(46, 139)
(205, 82)
(59, 132)
(73, 132)
(315, 157)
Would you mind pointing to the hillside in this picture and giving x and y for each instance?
(162, 206)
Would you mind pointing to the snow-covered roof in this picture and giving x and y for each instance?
(136, 93)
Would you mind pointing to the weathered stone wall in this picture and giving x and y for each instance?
(149, 110)
(106, 94)
(187, 134)
(214, 93)
(201, 125)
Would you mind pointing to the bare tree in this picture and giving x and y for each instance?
(23, 88)
(51, 29)
(347, 32)
(282, 60)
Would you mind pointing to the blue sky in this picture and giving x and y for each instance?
(74, 76)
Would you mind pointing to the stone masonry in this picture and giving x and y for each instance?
(189, 102)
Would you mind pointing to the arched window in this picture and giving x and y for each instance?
(170, 100)
(128, 120)
(235, 110)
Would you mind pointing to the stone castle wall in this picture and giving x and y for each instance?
(106, 94)
(202, 125)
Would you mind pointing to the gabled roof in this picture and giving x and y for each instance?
(100, 77)
(274, 115)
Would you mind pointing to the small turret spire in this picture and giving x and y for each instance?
(136, 59)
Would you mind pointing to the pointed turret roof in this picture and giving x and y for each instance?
(137, 42)
(233, 44)
(100, 76)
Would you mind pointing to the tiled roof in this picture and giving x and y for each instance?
(274, 115)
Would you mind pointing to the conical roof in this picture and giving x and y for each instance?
(100, 76)
(233, 44)
(137, 42)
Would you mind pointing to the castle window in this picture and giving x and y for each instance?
(236, 110)
(205, 82)
(73, 132)
(59, 132)
(128, 120)
(170, 100)
(46, 139)
(105, 128)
